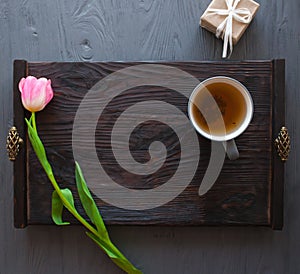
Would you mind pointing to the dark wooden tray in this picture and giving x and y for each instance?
(248, 191)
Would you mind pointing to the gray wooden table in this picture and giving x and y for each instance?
(146, 30)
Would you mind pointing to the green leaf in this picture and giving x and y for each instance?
(57, 205)
(57, 209)
(69, 196)
(115, 255)
(63, 198)
(38, 147)
(102, 240)
(89, 204)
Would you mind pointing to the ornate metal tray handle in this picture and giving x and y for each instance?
(283, 144)
(13, 143)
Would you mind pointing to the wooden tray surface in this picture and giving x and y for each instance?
(248, 191)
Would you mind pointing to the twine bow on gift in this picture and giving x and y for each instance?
(242, 15)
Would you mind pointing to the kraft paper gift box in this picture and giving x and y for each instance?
(219, 10)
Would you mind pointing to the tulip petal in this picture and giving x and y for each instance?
(26, 92)
(21, 84)
(35, 93)
(49, 92)
(38, 94)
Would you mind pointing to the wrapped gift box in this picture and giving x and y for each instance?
(211, 19)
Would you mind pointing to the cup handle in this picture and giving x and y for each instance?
(231, 149)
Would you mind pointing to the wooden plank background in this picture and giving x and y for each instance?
(132, 31)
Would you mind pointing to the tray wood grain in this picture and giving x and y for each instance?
(249, 191)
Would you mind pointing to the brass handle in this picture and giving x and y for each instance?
(283, 144)
(13, 143)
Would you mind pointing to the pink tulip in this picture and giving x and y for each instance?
(35, 93)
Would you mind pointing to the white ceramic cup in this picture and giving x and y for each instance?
(216, 128)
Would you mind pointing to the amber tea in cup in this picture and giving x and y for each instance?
(220, 109)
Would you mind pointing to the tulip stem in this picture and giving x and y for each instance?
(95, 234)
(70, 207)
(59, 192)
(35, 100)
(33, 121)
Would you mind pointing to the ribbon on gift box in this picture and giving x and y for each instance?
(242, 15)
